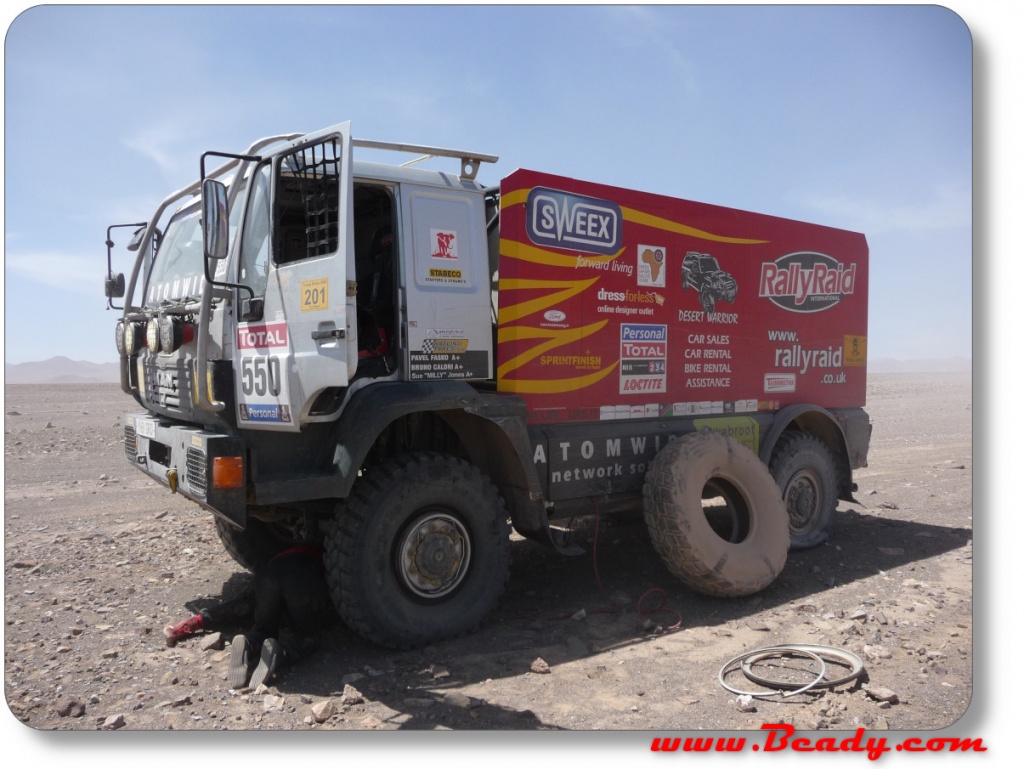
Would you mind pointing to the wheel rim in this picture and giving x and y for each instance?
(433, 555)
(803, 495)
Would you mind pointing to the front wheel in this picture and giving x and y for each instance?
(419, 552)
(256, 544)
(707, 302)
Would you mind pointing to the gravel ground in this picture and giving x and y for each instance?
(97, 559)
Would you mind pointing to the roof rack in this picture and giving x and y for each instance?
(470, 160)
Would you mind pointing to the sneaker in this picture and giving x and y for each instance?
(185, 628)
(270, 659)
(241, 662)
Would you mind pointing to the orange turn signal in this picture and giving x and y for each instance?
(228, 473)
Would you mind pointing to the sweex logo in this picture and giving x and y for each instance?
(564, 220)
(806, 281)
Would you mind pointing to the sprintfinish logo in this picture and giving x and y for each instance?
(576, 222)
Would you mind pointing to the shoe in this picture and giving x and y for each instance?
(185, 628)
(270, 659)
(241, 662)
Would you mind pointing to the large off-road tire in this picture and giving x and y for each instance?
(254, 545)
(805, 471)
(419, 551)
(715, 515)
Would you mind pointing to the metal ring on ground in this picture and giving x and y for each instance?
(856, 664)
(773, 650)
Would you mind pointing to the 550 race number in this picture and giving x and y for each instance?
(261, 375)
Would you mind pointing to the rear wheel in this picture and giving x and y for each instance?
(419, 552)
(805, 471)
(715, 515)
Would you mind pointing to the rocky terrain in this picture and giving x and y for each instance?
(98, 559)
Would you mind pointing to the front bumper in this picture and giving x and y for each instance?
(183, 459)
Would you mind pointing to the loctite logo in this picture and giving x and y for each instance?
(806, 281)
(263, 336)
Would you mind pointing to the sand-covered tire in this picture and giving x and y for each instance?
(737, 544)
(419, 552)
(254, 545)
(805, 471)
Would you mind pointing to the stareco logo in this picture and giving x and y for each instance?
(807, 281)
(576, 222)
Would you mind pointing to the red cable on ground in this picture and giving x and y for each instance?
(641, 611)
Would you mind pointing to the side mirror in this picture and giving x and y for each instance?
(113, 286)
(136, 241)
(215, 219)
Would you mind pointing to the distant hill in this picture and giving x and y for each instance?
(61, 370)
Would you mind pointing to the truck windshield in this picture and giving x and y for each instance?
(177, 271)
(708, 264)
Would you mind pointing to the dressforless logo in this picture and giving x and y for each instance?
(807, 281)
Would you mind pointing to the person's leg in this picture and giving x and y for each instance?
(306, 599)
(232, 611)
(247, 648)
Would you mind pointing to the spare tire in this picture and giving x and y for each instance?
(715, 515)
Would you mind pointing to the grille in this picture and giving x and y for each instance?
(130, 443)
(195, 470)
(163, 387)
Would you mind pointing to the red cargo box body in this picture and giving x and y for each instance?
(618, 304)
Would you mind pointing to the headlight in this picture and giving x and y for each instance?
(153, 336)
(119, 338)
(167, 335)
(174, 333)
(133, 338)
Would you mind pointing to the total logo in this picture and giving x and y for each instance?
(807, 281)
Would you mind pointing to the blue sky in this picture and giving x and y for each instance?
(857, 117)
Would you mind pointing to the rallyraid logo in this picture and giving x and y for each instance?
(807, 281)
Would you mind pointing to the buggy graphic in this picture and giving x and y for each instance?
(702, 273)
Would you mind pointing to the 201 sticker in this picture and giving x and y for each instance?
(314, 294)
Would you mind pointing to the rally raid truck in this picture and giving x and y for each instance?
(405, 365)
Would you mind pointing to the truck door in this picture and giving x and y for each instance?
(448, 285)
(295, 253)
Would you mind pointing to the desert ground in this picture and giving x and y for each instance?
(98, 559)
